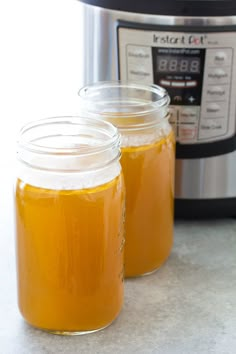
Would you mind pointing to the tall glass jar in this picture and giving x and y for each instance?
(69, 203)
(148, 154)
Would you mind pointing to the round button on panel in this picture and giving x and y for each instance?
(138, 52)
(220, 57)
(218, 75)
(216, 92)
(139, 73)
(213, 108)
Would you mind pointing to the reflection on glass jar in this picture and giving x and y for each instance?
(148, 155)
(69, 224)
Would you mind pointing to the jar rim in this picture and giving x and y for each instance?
(160, 97)
(111, 136)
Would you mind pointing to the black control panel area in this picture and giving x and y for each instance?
(180, 72)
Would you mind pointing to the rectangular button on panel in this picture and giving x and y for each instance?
(139, 73)
(137, 52)
(212, 128)
(165, 83)
(189, 114)
(191, 83)
(177, 84)
(139, 64)
(187, 133)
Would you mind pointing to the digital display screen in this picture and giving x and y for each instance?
(178, 64)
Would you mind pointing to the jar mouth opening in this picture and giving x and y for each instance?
(124, 99)
(68, 136)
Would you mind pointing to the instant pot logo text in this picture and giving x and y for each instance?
(192, 39)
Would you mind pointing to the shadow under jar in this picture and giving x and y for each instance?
(69, 201)
(148, 155)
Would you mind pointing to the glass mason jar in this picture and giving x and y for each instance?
(148, 155)
(69, 203)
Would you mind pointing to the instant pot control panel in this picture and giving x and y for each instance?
(198, 70)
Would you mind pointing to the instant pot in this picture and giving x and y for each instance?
(189, 48)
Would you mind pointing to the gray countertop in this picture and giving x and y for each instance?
(188, 306)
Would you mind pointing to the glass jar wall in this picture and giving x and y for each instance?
(148, 154)
(69, 201)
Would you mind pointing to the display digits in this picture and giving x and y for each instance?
(195, 67)
(178, 64)
(163, 65)
(173, 65)
(183, 67)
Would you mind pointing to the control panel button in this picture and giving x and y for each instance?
(190, 99)
(218, 57)
(212, 128)
(177, 99)
(187, 132)
(139, 73)
(178, 84)
(191, 83)
(215, 110)
(189, 115)
(165, 83)
(135, 52)
(218, 76)
(217, 92)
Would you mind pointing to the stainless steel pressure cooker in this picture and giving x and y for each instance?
(189, 48)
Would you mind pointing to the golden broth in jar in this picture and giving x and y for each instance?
(149, 179)
(69, 230)
(140, 112)
(67, 246)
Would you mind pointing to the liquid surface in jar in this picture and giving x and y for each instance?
(149, 180)
(69, 275)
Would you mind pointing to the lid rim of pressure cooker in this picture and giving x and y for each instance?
(195, 8)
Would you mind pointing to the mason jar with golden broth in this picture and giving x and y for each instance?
(148, 156)
(69, 202)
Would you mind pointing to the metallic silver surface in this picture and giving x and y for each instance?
(212, 177)
(100, 41)
(205, 178)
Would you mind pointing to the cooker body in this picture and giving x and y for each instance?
(198, 51)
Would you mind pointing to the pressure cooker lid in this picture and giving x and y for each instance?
(170, 7)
